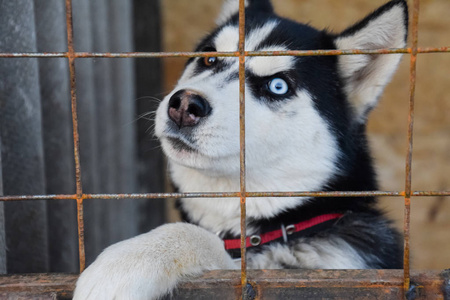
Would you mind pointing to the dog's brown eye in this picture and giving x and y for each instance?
(209, 61)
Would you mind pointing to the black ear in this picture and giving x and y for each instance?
(260, 5)
(365, 76)
(231, 7)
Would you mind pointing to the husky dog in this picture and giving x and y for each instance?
(305, 131)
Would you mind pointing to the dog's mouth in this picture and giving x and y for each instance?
(179, 145)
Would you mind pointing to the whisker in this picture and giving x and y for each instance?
(150, 128)
(144, 116)
(157, 147)
(151, 98)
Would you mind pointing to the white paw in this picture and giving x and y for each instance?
(150, 265)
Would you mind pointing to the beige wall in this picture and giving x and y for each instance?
(185, 21)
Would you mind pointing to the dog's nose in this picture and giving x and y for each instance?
(186, 108)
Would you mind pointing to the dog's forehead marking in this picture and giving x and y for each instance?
(228, 39)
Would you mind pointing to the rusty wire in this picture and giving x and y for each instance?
(225, 195)
(414, 50)
(76, 139)
(408, 173)
(423, 50)
(242, 147)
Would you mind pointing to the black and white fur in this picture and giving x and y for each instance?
(310, 137)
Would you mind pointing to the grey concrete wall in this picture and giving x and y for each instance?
(104, 114)
(123, 110)
(149, 81)
(22, 146)
(2, 222)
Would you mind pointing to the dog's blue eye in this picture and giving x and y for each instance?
(278, 86)
(209, 61)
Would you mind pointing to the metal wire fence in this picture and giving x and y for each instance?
(350, 279)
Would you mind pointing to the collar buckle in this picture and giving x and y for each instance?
(287, 230)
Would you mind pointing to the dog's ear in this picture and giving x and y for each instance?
(365, 76)
(231, 7)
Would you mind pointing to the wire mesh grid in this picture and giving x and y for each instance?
(407, 194)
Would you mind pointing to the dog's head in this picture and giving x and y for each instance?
(303, 114)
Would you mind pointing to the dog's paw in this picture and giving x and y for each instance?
(150, 265)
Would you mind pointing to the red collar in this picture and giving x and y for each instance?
(282, 234)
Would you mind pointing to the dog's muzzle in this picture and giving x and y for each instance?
(187, 108)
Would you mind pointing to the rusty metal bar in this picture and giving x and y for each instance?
(316, 284)
(242, 147)
(76, 139)
(37, 197)
(118, 54)
(408, 175)
(33, 55)
(249, 194)
(226, 195)
(37, 286)
(269, 284)
(347, 52)
(423, 50)
(431, 193)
